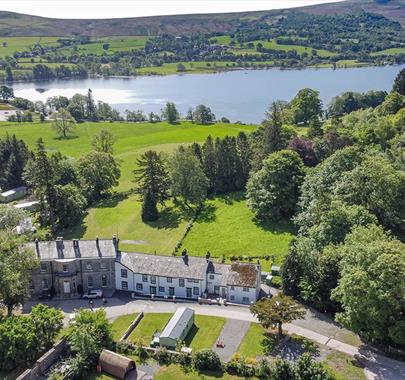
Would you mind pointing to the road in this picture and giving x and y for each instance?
(315, 327)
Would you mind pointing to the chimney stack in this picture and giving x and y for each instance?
(115, 243)
(37, 247)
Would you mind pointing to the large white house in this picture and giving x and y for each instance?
(187, 277)
(71, 267)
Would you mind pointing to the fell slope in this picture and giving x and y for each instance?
(15, 24)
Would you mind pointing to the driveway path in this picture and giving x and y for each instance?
(314, 327)
(232, 334)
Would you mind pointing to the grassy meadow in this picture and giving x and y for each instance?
(116, 43)
(10, 45)
(226, 227)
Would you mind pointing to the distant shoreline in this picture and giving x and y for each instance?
(207, 71)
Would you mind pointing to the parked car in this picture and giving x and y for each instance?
(93, 293)
(45, 295)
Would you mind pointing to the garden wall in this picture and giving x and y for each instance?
(45, 362)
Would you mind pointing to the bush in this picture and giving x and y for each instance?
(162, 356)
(263, 369)
(184, 360)
(207, 360)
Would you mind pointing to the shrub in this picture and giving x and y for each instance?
(184, 360)
(162, 356)
(207, 360)
(263, 369)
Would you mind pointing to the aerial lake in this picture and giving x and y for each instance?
(242, 95)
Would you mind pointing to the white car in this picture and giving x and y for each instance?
(93, 294)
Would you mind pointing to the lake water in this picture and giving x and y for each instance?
(238, 95)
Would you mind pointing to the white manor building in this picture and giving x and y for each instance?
(69, 265)
(187, 277)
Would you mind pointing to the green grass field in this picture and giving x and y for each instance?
(120, 325)
(116, 43)
(392, 51)
(213, 230)
(198, 67)
(150, 323)
(251, 345)
(10, 45)
(344, 367)
(174, 372)
(205, 332)
(237, 49)
(132, 139)
(227, 227)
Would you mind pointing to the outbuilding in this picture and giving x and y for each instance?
(115, 364)
(177, 328)
(13, 194)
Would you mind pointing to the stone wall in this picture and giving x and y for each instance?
(43, 364)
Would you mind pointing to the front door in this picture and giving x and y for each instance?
(66, 287)
(152, 289)
(189, 292)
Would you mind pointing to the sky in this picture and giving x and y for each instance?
(138, 8)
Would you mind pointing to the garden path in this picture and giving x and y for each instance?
(231, 335)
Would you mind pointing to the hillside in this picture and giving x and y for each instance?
(14, 24)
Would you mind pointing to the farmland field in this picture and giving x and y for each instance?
(10, 45)
(116, 43)
(226, 226)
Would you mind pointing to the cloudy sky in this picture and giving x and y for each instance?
(134, 8)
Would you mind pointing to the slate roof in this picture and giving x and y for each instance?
(177, 323)
(165, 266)
(72, 249)
(236, 274)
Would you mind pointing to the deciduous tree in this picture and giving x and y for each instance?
(273, 312)
(63, 122)
(273, 191)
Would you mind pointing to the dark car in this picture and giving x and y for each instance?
(45, 295)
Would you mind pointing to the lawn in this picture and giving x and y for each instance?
(121, 214)
(227, 227)
(150, 323)
(205, 332)
(10, 45)
(121, 324)
(197, 67)
(252, 343)
(225, 40)
(116, 43)
(174, 372)
(132, 139)
(391, 51)
(344, 367)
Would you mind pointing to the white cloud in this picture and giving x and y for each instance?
(137, 8)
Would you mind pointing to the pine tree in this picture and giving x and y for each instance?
(91, 109)
(151, 180)
(40, 175)
(245, 155)
(149, 209)
(315, 127)
(196, 148)
(399, 83)
(209, 163)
